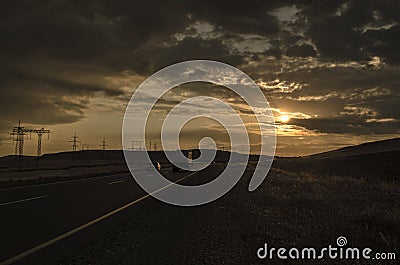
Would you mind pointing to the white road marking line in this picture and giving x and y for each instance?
(73, 231)
(115, 182)
(23, 200)
(61, 182)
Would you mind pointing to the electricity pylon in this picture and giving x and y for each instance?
(190, 156)
(136, 145)
(153, 146)
(40, 133)
(75, 142)
(20, 133)
(104, 144)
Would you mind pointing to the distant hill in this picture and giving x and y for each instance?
(380, 159)
(362, 149)
(107, 156)
(86, 158)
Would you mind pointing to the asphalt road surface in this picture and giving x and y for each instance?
(42, 223)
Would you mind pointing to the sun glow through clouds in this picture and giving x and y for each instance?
(284, 118)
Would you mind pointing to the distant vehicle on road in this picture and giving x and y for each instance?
(157, 165)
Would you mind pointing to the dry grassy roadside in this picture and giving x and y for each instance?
(300, 210)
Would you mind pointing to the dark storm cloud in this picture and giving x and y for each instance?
(342, 78)
(354, 30)
(237, 17)
(90, 30)
(384, 43)
(194, 48)
(47, 92)
(304, 50)
(56, 54)
(349, 125)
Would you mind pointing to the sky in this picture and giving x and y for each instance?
(329, 69)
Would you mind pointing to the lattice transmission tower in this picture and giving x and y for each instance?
(75, 142)
(104, 144)
(19, 133)
(136, 145)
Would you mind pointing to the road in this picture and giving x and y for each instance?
(41, 224)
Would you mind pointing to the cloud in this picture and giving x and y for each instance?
(353, 30)
(330, 59)
(303, 50)
(347, 124)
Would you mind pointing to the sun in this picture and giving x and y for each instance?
(284, 118)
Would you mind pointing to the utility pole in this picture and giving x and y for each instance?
(20, 133)
(75, 142)
(104, 144)
(85, 146)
